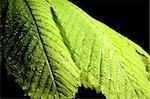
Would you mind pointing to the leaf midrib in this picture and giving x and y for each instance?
(43, 48)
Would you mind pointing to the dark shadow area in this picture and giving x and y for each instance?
(84, 93)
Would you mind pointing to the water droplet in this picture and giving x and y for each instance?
(81, 50)
(37, 73)
(1, 37)
(38, 69)
(29, 94)
(122, 65)
(61, 52)
(21, 41)
(40, 82)
(18, 53)
(55, 95)
(19, 72)
(73, 96)
(109, 78)
(26, 16)
(77, 64)
(100, 50)
(84, 41)
(19, 37)
(34, 37)
(31, 56)
(118, 91)
(29, 45)
(8, 35)
(23, 29)
(6, 26)
(15, 33)
(44, 70)
(24, 87)
(28, 56)
(90, 67)
(15, 66)
(32, 68)
(9, 58)
(110, 55)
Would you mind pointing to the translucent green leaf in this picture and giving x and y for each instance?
(51, 47)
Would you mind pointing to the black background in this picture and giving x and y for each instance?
(128, 17)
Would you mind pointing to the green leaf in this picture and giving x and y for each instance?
(51, 47)
(36, 53)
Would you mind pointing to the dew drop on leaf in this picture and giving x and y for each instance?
(40, 82)
(81, 50)
(29, 45)
(109, 78)
(84, 41)
(19, 72)
(122, 65)
(31, 56)
(19, 37)
(38, 69)
(1, 37)
(9, 58)
(55, 96)
(21, 41)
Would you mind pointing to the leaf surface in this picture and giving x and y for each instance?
(36, 53)
(52, 47)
